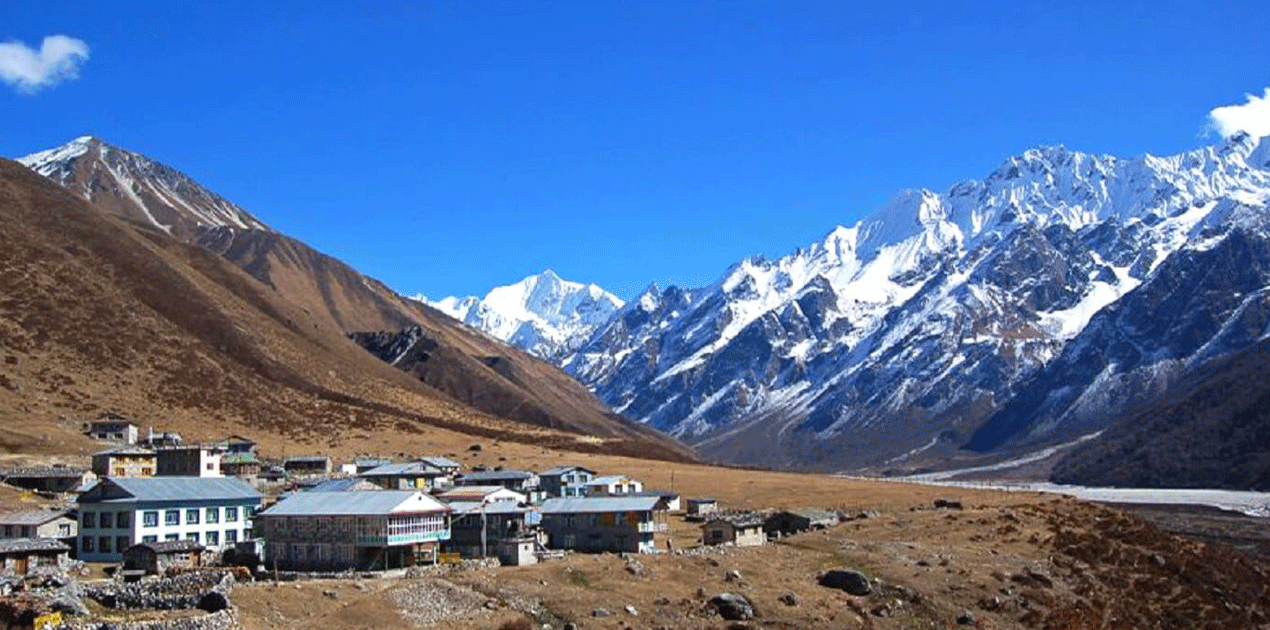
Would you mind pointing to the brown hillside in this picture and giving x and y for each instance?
(97, 314)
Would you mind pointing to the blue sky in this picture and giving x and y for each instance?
(449, 147)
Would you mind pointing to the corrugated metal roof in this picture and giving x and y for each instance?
(179, 489)
(440, 462)
(31, 517)
(563, 470)
(349, 503)
(402, 468)
(586, 505)
(494, 475)
(126, 449)
(474, 491)
(13, 545)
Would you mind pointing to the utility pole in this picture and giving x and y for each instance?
(483, 551)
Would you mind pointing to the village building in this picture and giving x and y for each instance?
(59, 524)
(56, 479)
(448, 466)
(479, 494)
(500, 520)
(120, 512)
(242, 464)
(336, 531)
(604, 524)
(22, 555)
(189, 461)
(787, 522)
(307, 465)
(112, 427)
(613, 485)
(155, 558)
(566, 481)
(522, 481)
(239, 444)
(518, 551)
(405, 476)
(701, 507)
(124, 461)
(741, 530)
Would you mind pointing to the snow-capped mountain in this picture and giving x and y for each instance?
(134, 186)
(543, 314)
(895, 340)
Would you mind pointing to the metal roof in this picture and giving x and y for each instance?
(343, 484)
(171, 546)
(586, 505)
(474, 491)
(350, 503)
(307, 458)
(494, 507)
(32, 517)
(563, 470)
(175, 489)
(493, 475)
(608, 479)
(402, 468)
(440, 462)
(14, 545)
(126, 449)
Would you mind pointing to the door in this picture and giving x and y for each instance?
(19, 565)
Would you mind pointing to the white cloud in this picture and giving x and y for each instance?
(28, 70)
(1252, 117)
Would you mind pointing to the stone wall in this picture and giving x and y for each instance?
(221, 620)
(207, 590)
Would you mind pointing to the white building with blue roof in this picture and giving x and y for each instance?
(335, 531)
(119, 512)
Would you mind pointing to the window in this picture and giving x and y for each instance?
(88, 520)
(122, 543)
(106, 520)
(231, 514)
(150, 518)
(172, 537)
(63, 530)
(149, 539)
(103, 544)
(147, 471)
(8, 531)
(213, 515)
(192, 536)
(86, 543)
(213, 538)
(120, 471)
(121, 519)
(172, 517)
(191, 516)
(231, 536)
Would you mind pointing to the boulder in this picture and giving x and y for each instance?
(789, 599)
(849, 580)
(733, 607)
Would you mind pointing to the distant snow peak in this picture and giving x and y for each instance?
(543, 313)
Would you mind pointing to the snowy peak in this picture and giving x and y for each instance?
(543, 313)
(133, 186)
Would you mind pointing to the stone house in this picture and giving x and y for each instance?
(112, 427)
(336, 531)
(58, 524)
(741, 530)
(307, 465)
(604, 524)
(21, 555)
(566, 481)
(613, 485)
(120, 512)
(244, 465)
(57, 479)
(190, 461)
(701, 507)
(155, 558)
(405, 476)
(500, 520)
(125, 461)
(787, 522)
